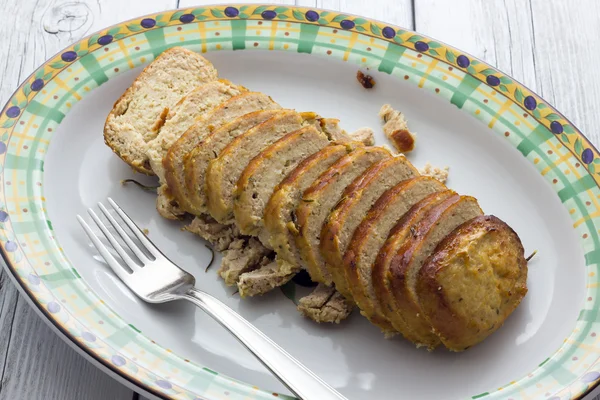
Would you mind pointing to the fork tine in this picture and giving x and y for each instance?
(134, 248)
(136, 231)
(113, 241)
(110, 260)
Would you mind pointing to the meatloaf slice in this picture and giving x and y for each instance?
(321, 197)
(224, 171)
(280, 213)
(473, 282)
(356, 201)
(173, 162)
(196, 162)
(370, 236)
(140, 112)
(399, 234)
(257, 182)
(197, 104)
(439, 222)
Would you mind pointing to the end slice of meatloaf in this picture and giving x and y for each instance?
(439, 222)
(399, 234)
(473, 282)
(321, 197)
(224, 171)
(371, 234)
(356, 201)
(280, 213)
(257, 182)
(196, 162)
(197, 104)
(140, 112)
(173, 162)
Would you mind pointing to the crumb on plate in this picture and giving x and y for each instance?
(396, 130)
(365, 80)
(441, 174)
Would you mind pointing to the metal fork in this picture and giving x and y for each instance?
(158, 280)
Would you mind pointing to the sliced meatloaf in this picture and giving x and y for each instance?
(224, 171)
(439, 222)
(280, 213)
(371, 234)
(399, 234)
(140, 112)
(357, 199)
(195, 105)
(229, 110)
(257, 182)
(196, 162)
(473, 282)
(321, 197)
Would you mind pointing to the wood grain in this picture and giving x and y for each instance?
(546, 44)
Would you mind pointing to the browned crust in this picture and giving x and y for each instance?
(397, 273)
(383, 291)
(304, 210)
(144, 167)
(362, 232)
(437, 310)
(330, 244)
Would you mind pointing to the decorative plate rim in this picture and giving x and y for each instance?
(531, 104)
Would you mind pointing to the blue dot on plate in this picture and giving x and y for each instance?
(88, 336)
(164, 384)
(148, 23)
(556, 127)
(463, 61)
(118, 361)
(3, 216)
(13, 112)
(37, 85)
(587, 156)
(530, 103)
(53, 307)
(268, 14)
(421, 46)
(347, 24)
(33, 279)
(68, 56)
(187, 18)
(492, 80)
(231, 12)
(590, 377)
(10, 246)
(388, 32)
(312, 16)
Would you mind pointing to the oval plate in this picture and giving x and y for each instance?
(519, 156)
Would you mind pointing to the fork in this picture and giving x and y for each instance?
(155, 279)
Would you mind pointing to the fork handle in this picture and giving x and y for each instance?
(295, 376)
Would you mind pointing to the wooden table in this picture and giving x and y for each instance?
(546, 44)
